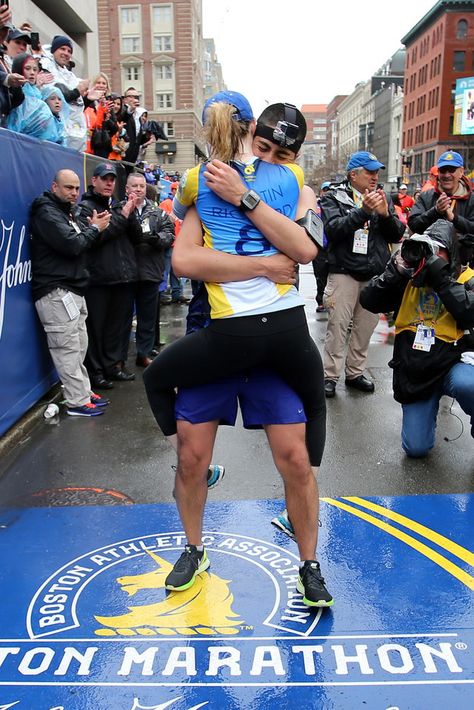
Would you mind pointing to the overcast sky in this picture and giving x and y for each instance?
(305, 51)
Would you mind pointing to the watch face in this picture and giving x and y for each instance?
(250, 200)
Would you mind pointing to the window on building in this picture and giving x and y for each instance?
(167, 159)
(472, 62)
(132, 74)
(164, 72)
(429, 160)
(451, 124)
(131, 45)
(130, 29)
(461, 29)
(162, 43)
(161, 15)
(164, 100)
(418, 163)
(168, 127)
(129, 16)
(459, 61)
(162, 27)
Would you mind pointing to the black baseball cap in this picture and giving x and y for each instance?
(104, 169)
(18, 34)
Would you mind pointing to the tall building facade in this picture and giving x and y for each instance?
(440, 50)
(332, 136)
(352, 115)
(213, 79)
(158, 48)
(313, 150)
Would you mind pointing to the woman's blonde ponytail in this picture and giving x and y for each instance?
(223, 133)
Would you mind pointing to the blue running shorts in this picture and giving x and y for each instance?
(264, 398)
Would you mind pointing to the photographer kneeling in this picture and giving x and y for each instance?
(433, 300)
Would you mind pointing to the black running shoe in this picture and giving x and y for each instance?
(310, 584)
(183, 574)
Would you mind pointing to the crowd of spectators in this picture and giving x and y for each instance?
(42, 96)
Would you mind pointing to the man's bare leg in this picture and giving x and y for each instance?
(215, 472)
(288, 445)
(195, 446)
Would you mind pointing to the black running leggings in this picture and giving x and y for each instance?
(279, 341)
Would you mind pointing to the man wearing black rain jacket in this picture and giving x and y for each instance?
(433, 354)
(59, 248)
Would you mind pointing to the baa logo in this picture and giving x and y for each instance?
(118, 592)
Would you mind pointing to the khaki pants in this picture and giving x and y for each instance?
(341, 298)
(67, 343)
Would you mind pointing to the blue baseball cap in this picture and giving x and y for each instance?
(450, 158)
(325, 185)
(243, 110)
(364, 159)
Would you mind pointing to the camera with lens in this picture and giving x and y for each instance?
(416, 248)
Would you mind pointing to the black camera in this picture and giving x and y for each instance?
(414, 250)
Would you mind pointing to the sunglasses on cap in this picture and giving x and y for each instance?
(447, 169)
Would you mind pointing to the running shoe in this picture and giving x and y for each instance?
(283, 523)
(310, 584)
(87, 410)
(215, 475)
(98, 400)
(183, 574)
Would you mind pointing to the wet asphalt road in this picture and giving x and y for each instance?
(124, 451)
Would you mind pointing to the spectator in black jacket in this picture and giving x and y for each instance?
(360, 225)
(113, 269)
(59, 249)
(133, 125)
(433, 353)
(452, 199)
(157, 236)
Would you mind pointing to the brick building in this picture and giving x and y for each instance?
(158, 48)
(313, 150)
(440, 50)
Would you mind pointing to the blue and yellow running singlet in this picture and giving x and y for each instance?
(228, 229)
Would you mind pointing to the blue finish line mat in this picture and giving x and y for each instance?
(87, 624)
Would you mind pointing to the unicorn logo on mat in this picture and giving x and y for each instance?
(203, 609)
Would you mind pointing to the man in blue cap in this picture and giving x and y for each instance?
(360, 225)
(452, 198)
